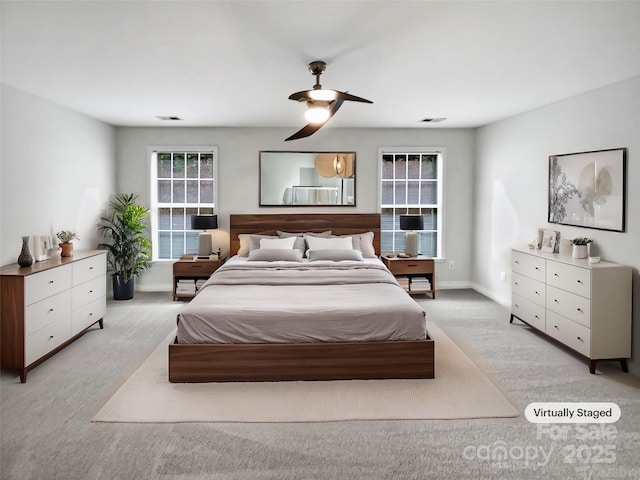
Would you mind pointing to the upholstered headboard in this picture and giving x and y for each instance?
(338, 223)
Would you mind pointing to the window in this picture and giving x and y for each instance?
(183, 184)
(411, 183)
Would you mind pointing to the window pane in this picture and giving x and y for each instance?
(399, 241)
(429, 165)
(386, 219)
(413, 166)
(164, 165)
(192, 242)
(177, 219)
(192, 165)
(206, 191)
(401, 193)
(429, 194)
(387, 193)
(177, 244)
(401, 166)
(387, 166)
(192, 191)
(386, 242)
(413, 191)
(164, 191)
(178, 165)
(206, 165)
(430, 216)
(427, 243)
(164, 219)
(164, 245)
(178, 192)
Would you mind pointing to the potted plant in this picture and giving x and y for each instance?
(66, 236)
(128, 249)
(581, 247)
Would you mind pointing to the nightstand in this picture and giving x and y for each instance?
(187, 271)
(417, 275)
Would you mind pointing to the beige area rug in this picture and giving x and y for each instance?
(460, 390)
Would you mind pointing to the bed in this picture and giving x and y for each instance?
(301, 320)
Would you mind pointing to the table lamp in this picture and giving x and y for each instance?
(411, 223)
(204, 222)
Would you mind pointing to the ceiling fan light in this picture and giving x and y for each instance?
(324, 95)
(316, 114)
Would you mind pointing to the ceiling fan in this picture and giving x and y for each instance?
(322, 103)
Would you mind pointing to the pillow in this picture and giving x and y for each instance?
(299, 244)
(362, 242)
(319, 243)
(249, 242)
(255, 241)
(335, 255)
(275, 255)
(282, 243)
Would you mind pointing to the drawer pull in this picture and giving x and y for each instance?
(50, 337)
(50, 282)
(579, 309)
(90, 291)
(579, 338)
(556, 275)
(90, 268)
(538, 293)
(516, 305)
(556, 327)
(555, 300)
(517, 262)
(516, 283)
(537, 317)
(50, 310)
(537, 268)
(579, 281)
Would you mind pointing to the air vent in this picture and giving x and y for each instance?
(168, 117)
(433, 120)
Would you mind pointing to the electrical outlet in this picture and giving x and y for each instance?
(503, 277)
(452, 265)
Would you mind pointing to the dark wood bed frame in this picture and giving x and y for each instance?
(198, 363)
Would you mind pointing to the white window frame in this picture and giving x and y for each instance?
(440, 169)
(153, 190)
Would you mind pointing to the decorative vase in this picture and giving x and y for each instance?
(580, 251)
(67, 249)
(25, 259)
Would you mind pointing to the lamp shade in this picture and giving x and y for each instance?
(411, 222)
(204, 222)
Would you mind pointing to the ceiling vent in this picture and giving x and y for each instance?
(168, 117)
(433, 120)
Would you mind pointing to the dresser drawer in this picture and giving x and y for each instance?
(569, 277)
(88, 292)
(528, 265)
(572, 334)
(40, 314)
(43, 341)
(88, 315)
(528, 312)
(528, 288)
(89, 268)
(569, 305)
(46, 283)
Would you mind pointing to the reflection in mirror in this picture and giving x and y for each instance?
(307, 178)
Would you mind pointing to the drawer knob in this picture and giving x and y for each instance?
(537, 293)
(556, 327)
(517, 262)
(556, 275)
(537, 268)
(516, 305)
(579, 338)
(90, 268)
(579, 309)
(516, 283)
(50, 282)
(537, 317)
(50, 310)
(579, 281)
(555, 300)
(90, 291)
(51, 337)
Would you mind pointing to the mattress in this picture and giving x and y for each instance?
(292, 302)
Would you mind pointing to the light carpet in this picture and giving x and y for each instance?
(460, 390)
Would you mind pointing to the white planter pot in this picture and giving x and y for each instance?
(580, 251)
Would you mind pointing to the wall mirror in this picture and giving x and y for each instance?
(307, 179)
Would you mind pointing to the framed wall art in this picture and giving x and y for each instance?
(588, 189)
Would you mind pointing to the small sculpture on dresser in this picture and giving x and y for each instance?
(25, 259)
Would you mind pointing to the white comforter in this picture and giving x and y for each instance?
(290, 302)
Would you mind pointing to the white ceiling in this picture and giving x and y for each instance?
(234, 63)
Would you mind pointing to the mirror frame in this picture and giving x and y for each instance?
(334, 153)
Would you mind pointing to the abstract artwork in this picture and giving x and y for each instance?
(588, 189)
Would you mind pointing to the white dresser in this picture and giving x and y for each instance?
(586, 307)
(48, 305)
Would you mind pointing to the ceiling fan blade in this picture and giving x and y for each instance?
(302, 96)
(352, 98)
(312, 128)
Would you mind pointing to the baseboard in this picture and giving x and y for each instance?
(487, 293)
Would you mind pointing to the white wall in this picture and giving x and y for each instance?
(511, 182)
(57, 171)
(238, 177)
